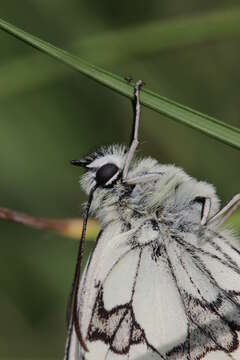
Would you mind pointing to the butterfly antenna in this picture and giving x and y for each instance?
(134, 138)
(72, 309)
(226, 212)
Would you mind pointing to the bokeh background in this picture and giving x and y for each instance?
(50, 114)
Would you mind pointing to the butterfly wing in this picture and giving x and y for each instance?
(111, 246)
(166, 299)
(121, 298)
(208, 278)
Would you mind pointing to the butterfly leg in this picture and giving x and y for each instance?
(206, 211)
(142, 179)
(134, 141)
(226, 211)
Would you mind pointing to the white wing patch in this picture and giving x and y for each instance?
(119, 283)
(157, 304)
(142, 352)
(113, 356)
(97, 350)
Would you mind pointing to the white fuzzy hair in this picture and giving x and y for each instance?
(171, 197)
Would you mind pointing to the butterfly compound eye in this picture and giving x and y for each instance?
(105, 173)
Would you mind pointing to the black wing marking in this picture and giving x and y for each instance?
(117, 327)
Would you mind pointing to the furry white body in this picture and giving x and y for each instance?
(158, 284)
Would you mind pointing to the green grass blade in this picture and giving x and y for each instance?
(187, 116)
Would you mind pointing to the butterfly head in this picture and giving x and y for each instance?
(103, 168)
(104, 172)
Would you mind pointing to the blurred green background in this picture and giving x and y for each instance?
(188, 51)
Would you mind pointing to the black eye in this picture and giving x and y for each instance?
(105, 173)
